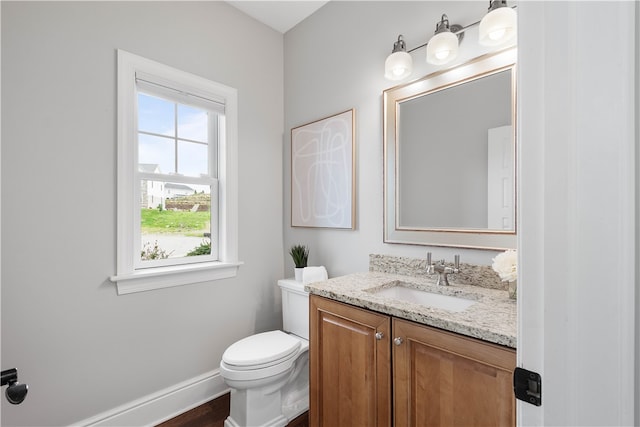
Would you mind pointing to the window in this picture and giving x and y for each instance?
(177, 177)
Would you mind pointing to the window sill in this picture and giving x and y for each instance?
(166, 277)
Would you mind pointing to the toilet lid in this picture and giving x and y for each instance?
(261, 350)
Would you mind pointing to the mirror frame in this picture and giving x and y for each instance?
(451, 237)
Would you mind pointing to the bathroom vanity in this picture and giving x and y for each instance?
(390, 349)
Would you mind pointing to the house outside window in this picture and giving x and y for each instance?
(177, 159)
(151, 193)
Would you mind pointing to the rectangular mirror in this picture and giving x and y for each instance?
(449, 157)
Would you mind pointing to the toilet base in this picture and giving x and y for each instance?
(259, 400)
(253, 408)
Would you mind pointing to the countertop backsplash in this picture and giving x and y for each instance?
(470, 274)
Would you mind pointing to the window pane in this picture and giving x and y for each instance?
(192, 158)
(175, 220)
(156, 151)
(156, 115)
(192, 123)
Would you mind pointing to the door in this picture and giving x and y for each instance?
(350, 365)
(500, 171)
(577, 211)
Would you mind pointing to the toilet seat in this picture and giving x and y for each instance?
(262, 356)
(261, 351)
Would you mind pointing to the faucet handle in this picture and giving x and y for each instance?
(456, 261)
(429, 264)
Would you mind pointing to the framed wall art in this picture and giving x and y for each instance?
(322, 173)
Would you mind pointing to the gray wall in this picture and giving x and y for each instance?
(637, 206)
(334, 60)
(81, 348)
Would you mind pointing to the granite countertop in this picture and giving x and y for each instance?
(492, 318)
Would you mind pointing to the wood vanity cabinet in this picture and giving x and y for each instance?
(438, 378)
(445, 379)
(350, 367)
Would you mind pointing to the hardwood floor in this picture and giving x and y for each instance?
(300, 421)
(213, 414)
(210, 414)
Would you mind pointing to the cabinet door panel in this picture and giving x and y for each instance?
(350, 368)
(444, 379)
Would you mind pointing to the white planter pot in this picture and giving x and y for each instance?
(298, 273)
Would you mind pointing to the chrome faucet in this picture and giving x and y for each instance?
(442, 270)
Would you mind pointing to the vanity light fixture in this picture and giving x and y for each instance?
(399, 64)
(499, 25)
(443, 46)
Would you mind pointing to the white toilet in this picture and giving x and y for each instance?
(269, 372)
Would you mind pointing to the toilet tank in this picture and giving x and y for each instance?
(295, 308)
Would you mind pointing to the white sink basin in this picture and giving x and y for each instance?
(429, 299)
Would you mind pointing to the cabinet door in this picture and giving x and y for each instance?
(350, 365)
(445, 379)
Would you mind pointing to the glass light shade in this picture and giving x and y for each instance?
(442, 48)
(398, 66)
(498, 27)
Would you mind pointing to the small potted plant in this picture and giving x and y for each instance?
(300, 255)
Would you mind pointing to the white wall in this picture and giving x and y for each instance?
(334, 60)
(81, 348)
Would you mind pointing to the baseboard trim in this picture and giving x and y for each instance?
(163, 405)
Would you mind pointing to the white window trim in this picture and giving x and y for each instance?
(128, 279)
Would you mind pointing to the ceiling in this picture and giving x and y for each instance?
(279, 15)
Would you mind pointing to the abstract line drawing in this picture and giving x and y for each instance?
(322, 173)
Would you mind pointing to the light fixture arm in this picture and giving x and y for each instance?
(400, 45)
(495, 4)
(443, 25)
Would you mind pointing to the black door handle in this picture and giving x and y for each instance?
(16, 392)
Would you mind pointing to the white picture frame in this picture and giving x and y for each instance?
(322, 173)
